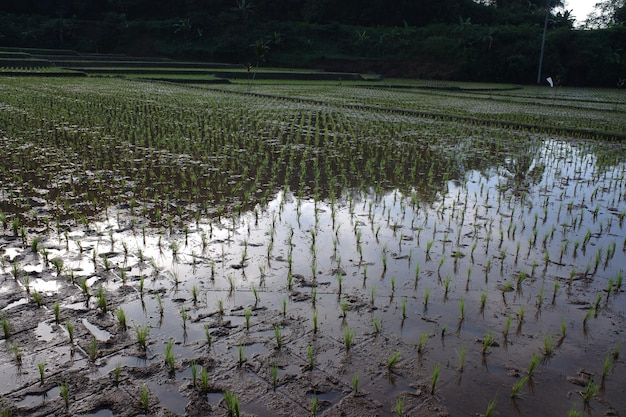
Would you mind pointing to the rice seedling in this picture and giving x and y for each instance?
(426, 297)
(590, 392)
(231, 283)
(247, 315)
(121, 318)
(34, 245)
(421, 345)
(417, 276)
(589, 314)
(160, 307)
(606, 367)
(204, 379)
(15, 270)
(6, 325)
(596, 307)
(315, 326)
(372, 295)
(170, 359)
(184, 316)
(85, 289)
(64, 392)
(117, 373)
(446, 286)
(490, 408)
(344, 308)
(142, 333)
(355, 384)
(274, 376)
(554, 291)
(574, 413)
(403, 308)
(289, 280)
(194, 294)
(314, 406)
(144, 398)
(92, 350)
(483, 302)
(241, 355)
(462, 358)
(393, 361)
(310, 353)
(58, 265)
(255, 292)
(70, 331)
(540, 297)
(41, 366)
(534, 363)
(399, 407)
(520, 279)
(548, 346)
(16, 349)
(339, 283)
(488, 341)
(232, 403)
(348, 338)
(278, 336)
(462, 308)
(433, 379)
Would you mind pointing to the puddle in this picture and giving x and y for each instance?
(169, 396)
(14, 304)
(45, 287)
(11, 253)
(256, 349)
(100, 334)
(33, 268)
(214, 398)
(44, 332)
(79, 306)
(35, 400)
(122, 360)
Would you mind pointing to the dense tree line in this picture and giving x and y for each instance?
(467, 39)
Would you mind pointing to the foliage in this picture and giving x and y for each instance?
(460, 39)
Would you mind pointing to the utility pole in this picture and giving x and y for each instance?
(543, 44)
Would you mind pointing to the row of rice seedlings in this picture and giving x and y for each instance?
(448, 281)
(162, 117)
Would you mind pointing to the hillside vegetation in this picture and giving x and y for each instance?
(449, 39)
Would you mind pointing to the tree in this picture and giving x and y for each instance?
(606, 13)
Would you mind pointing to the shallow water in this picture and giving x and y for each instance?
(534, 227)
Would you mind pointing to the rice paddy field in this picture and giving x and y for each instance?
(311, 248)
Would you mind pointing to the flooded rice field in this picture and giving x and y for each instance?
(175, 250)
